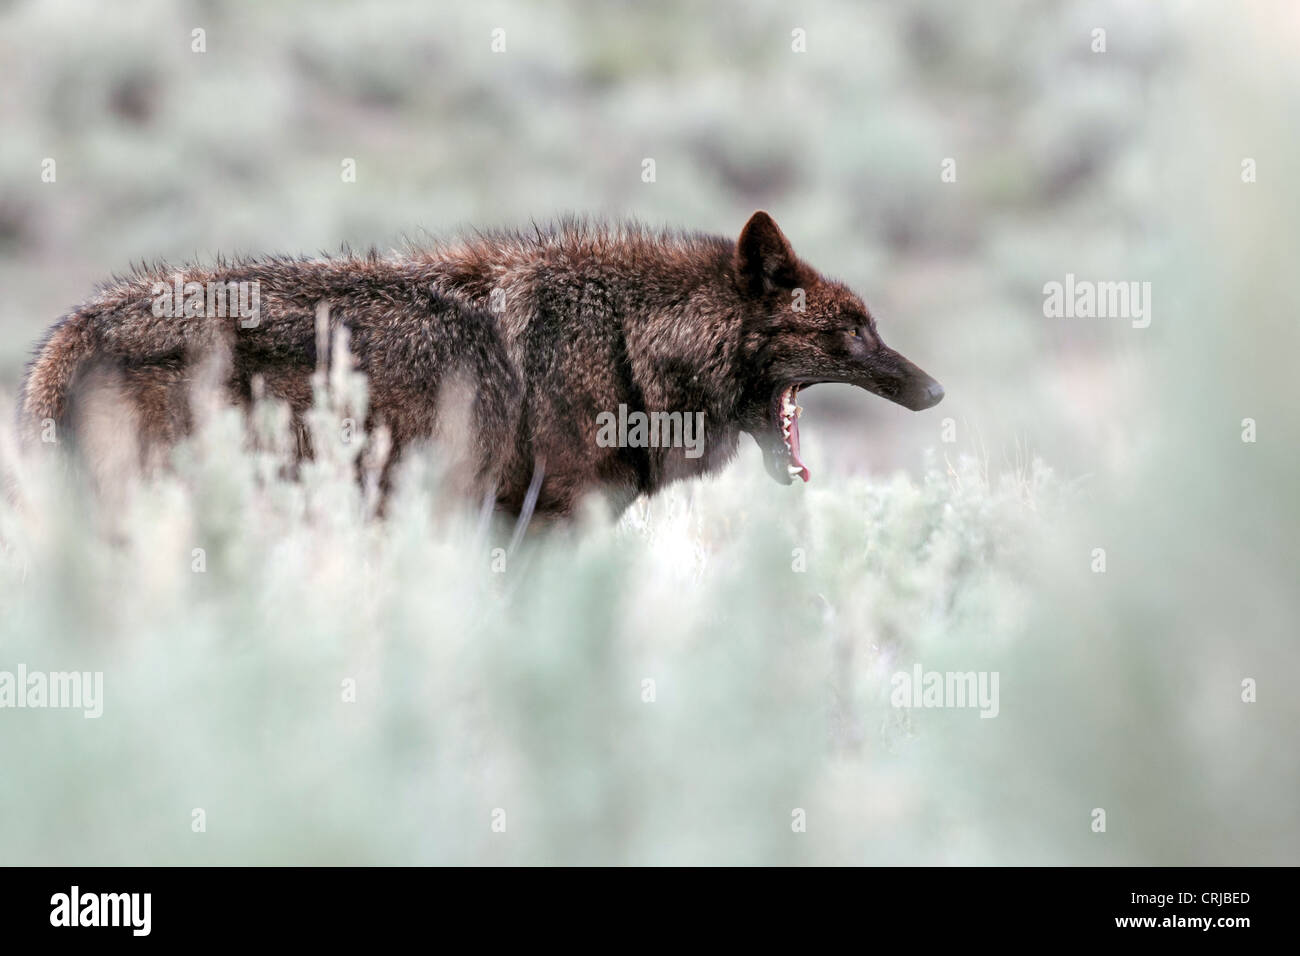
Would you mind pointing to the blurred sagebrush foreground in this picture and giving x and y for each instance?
(287, 679)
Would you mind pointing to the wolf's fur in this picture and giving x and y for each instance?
(587, 317)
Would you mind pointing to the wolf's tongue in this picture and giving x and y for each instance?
(794, 448)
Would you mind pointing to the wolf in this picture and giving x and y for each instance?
(542, 335)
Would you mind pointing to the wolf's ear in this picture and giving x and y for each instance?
(764, 259)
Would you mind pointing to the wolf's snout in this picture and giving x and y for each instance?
(920, 395)
(891, 376)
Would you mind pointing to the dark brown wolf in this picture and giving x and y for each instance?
(588, 352)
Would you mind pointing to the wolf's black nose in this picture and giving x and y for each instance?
(934, 392)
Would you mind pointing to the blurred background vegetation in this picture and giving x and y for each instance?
(522, 690)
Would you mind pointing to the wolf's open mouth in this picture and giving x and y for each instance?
(786, 414)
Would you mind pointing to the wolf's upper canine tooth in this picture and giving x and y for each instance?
(793, 469)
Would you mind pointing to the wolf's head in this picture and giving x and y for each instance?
(801, 329)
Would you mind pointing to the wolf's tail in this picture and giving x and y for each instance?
(51, 374)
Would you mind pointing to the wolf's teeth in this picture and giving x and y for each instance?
(794, 470)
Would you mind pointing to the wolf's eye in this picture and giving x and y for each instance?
(853, 332)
